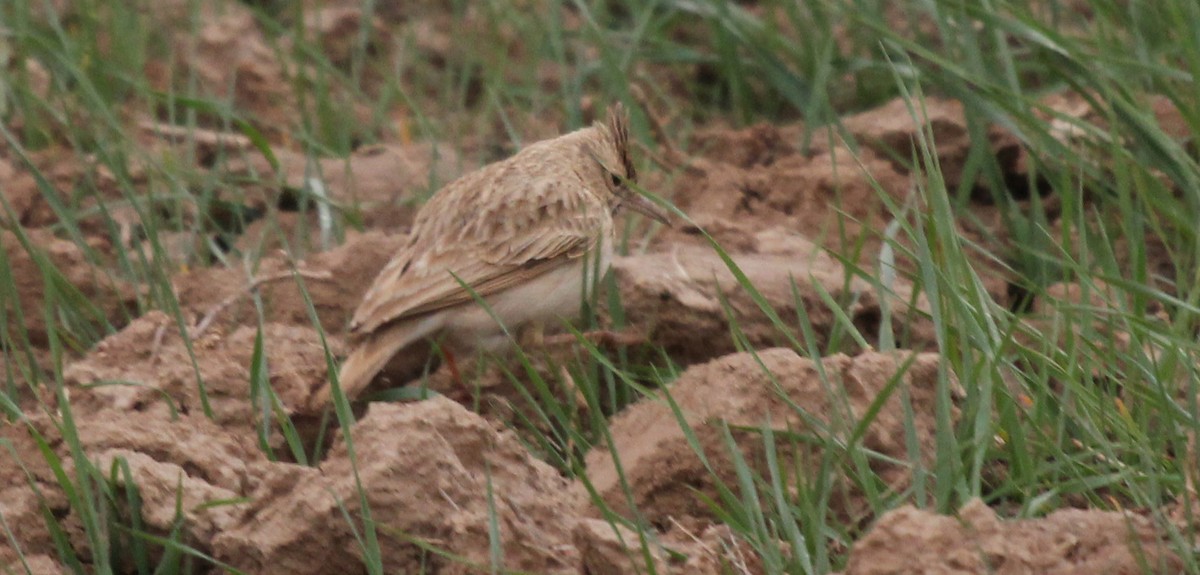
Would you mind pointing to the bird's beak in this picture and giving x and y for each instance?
(642, 205)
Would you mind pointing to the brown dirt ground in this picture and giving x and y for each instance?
(974, 540)
(784, 214)
(747, 391)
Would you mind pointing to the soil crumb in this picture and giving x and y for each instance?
(102, 294)
(1066, 542)
(148, 368)
(426, 469)
(746, 391)
(682, 299)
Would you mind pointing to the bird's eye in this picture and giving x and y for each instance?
(616, 180)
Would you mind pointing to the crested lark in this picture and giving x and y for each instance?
(523, 233)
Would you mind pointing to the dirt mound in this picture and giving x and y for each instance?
(610, 548)
(35, 565)
(20, 502)
(188, 457)
(219, 298)
(832, 196)
(48, 258)
(383, 176)
(231, 59)
(683, 299)
(890, 131)
(748, 391)
(427, 470)
(1068, 541)
(887, 132)
(147, 368)
(65, 180)
(838, 196)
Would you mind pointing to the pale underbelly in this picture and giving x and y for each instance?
(549, 299)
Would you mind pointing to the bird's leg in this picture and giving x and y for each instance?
(532, 335)
(447, 379)
(452, 365)
(457, 389)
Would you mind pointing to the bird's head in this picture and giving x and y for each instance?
(613, 167)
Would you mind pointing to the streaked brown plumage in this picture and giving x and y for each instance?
(523, 233)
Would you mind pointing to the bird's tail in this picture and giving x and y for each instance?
(367, 359)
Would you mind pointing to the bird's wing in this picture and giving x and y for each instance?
(489, 250)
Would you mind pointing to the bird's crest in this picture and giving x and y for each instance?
(618, 127)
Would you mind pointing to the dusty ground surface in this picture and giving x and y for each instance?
(975, 540)
(744, 391)
(426, 468)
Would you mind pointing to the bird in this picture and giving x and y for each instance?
(524, 234)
